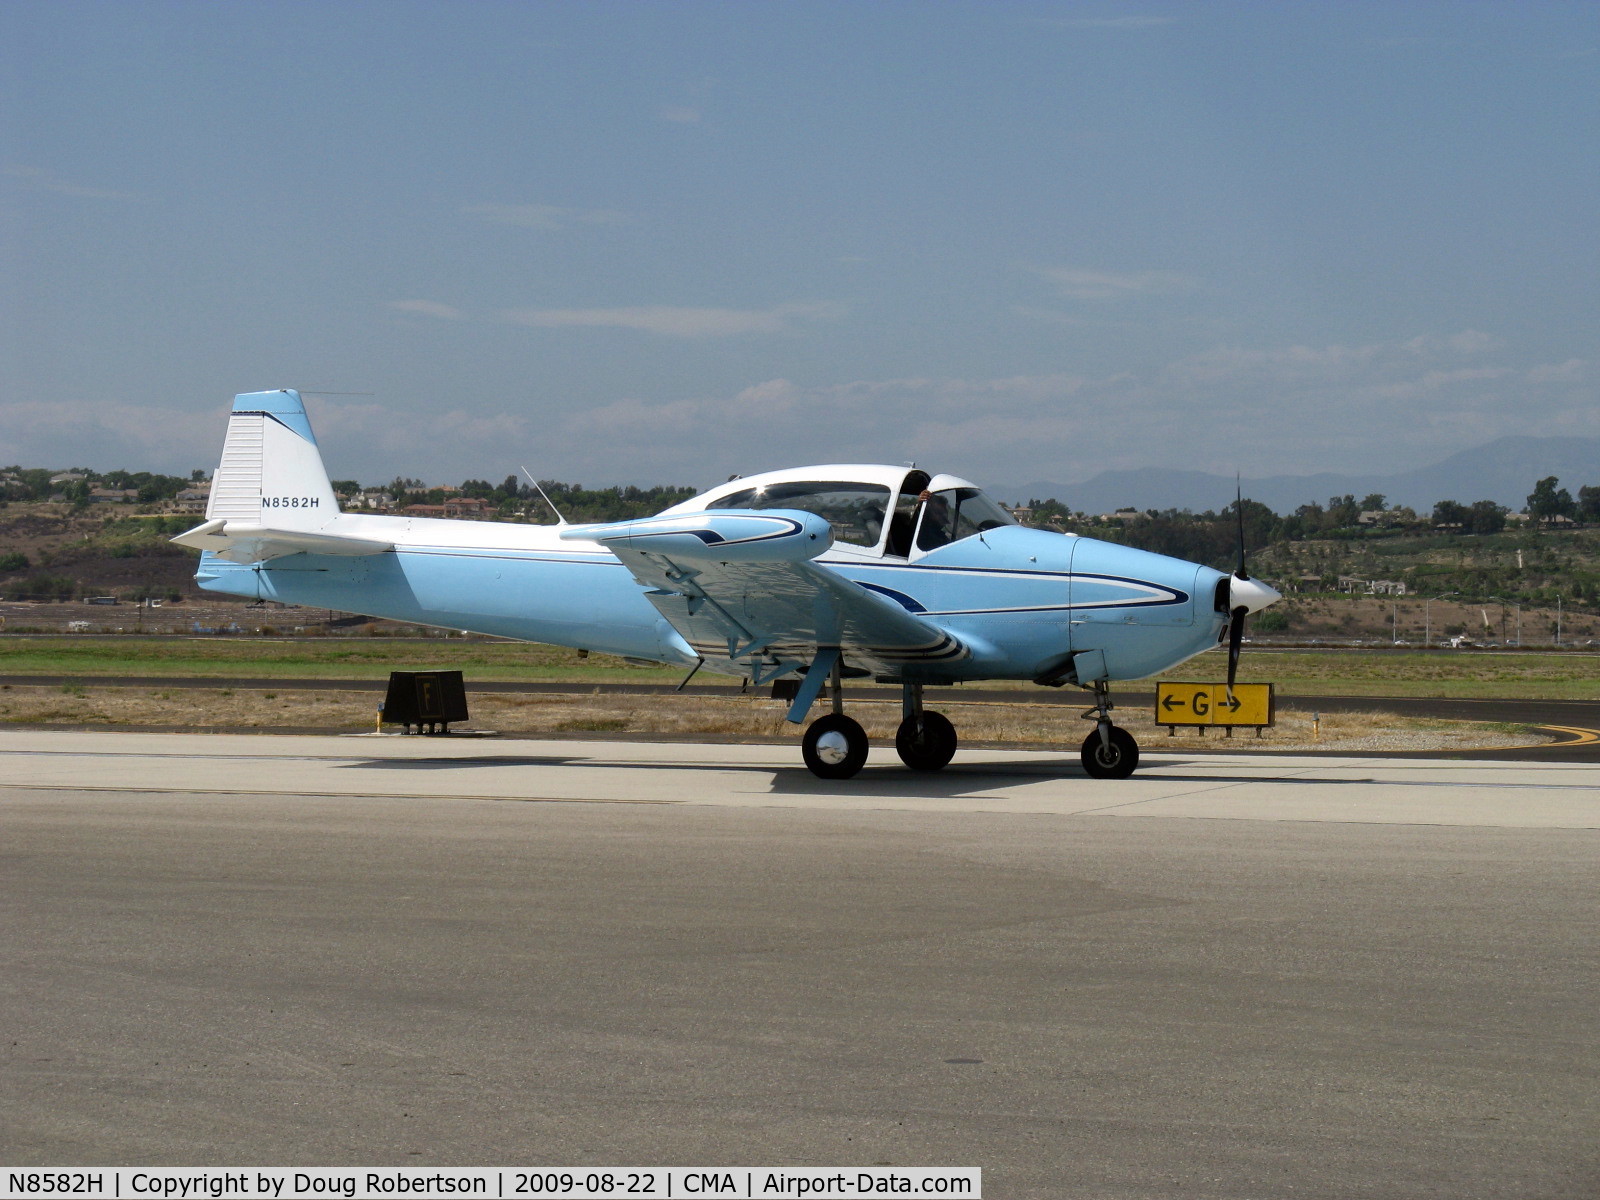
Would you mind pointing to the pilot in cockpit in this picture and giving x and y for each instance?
(935, 530)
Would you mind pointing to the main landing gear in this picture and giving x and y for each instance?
(925, 741)
(835, 746)
(1109, 752)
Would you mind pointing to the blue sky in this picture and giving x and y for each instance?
(627, 242)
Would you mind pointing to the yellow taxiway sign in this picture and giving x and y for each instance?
(1211, 704)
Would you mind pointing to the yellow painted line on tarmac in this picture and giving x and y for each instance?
(1580, 737)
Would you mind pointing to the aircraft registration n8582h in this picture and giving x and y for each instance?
(816, 573)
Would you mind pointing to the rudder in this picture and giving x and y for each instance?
(271, 472)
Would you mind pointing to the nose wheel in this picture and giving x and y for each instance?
(1109, 752)
(1114, 756)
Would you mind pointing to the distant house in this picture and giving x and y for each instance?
(68, 477)
(192, 500)
(104, 495)
(466, 506)
(1371, 587)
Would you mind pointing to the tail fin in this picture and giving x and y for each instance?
(271, 472)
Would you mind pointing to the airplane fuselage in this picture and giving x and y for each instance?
(1023, 601)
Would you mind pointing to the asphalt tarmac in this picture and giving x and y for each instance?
(1226, 977)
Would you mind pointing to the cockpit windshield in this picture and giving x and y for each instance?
(856, 511)
(956, 513)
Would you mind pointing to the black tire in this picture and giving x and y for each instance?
(933, 750)
(854, 749)
(1119, 763)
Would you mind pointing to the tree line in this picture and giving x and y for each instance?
(1213, 537)
(33, 483)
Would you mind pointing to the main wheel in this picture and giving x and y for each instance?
(1117, 762)
(834, 747)
(931, 751)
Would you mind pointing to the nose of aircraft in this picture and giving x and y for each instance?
(1251, 594)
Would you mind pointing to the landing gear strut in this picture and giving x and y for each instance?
(925, 741)
(834, 746)
(1109, 752)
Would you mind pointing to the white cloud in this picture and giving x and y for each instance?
(1374, 407)
(670, 321)
(1080, 283)
(1467, 342)
(108, 434)
(543, 216)
(428, 308)
(1574, 370)
(1380, 406)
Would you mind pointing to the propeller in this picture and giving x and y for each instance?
(1245, 596)
(1238, 612)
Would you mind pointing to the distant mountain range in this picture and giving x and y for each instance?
(1503, 471)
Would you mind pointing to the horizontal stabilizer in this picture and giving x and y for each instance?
(239, 542)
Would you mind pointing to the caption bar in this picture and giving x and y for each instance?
(501, 1183)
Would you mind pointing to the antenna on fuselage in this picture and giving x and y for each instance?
(560, 520)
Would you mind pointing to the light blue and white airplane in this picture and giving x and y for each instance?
(817, 574)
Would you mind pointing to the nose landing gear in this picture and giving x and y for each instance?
(1109, 752)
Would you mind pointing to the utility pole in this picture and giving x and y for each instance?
(1558, 621)
(1427, 617)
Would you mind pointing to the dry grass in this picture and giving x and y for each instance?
(1052, 725)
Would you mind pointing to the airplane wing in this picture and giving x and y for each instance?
(741, 589)
(244, 543)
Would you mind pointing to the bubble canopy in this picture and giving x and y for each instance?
(872, 509)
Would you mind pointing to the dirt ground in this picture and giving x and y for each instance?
(733, 717)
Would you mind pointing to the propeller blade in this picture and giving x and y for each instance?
(1235, 643)
(1238, 511)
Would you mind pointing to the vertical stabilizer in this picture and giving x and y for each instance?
(271, 472)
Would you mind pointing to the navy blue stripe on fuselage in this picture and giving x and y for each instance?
(1170, 595)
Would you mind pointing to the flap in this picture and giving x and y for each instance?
(766, 618)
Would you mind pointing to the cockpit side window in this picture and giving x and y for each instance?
(904, 521)
(957, 513)
(856, 511)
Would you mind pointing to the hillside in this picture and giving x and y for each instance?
(54, 551)
(1502, 471)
